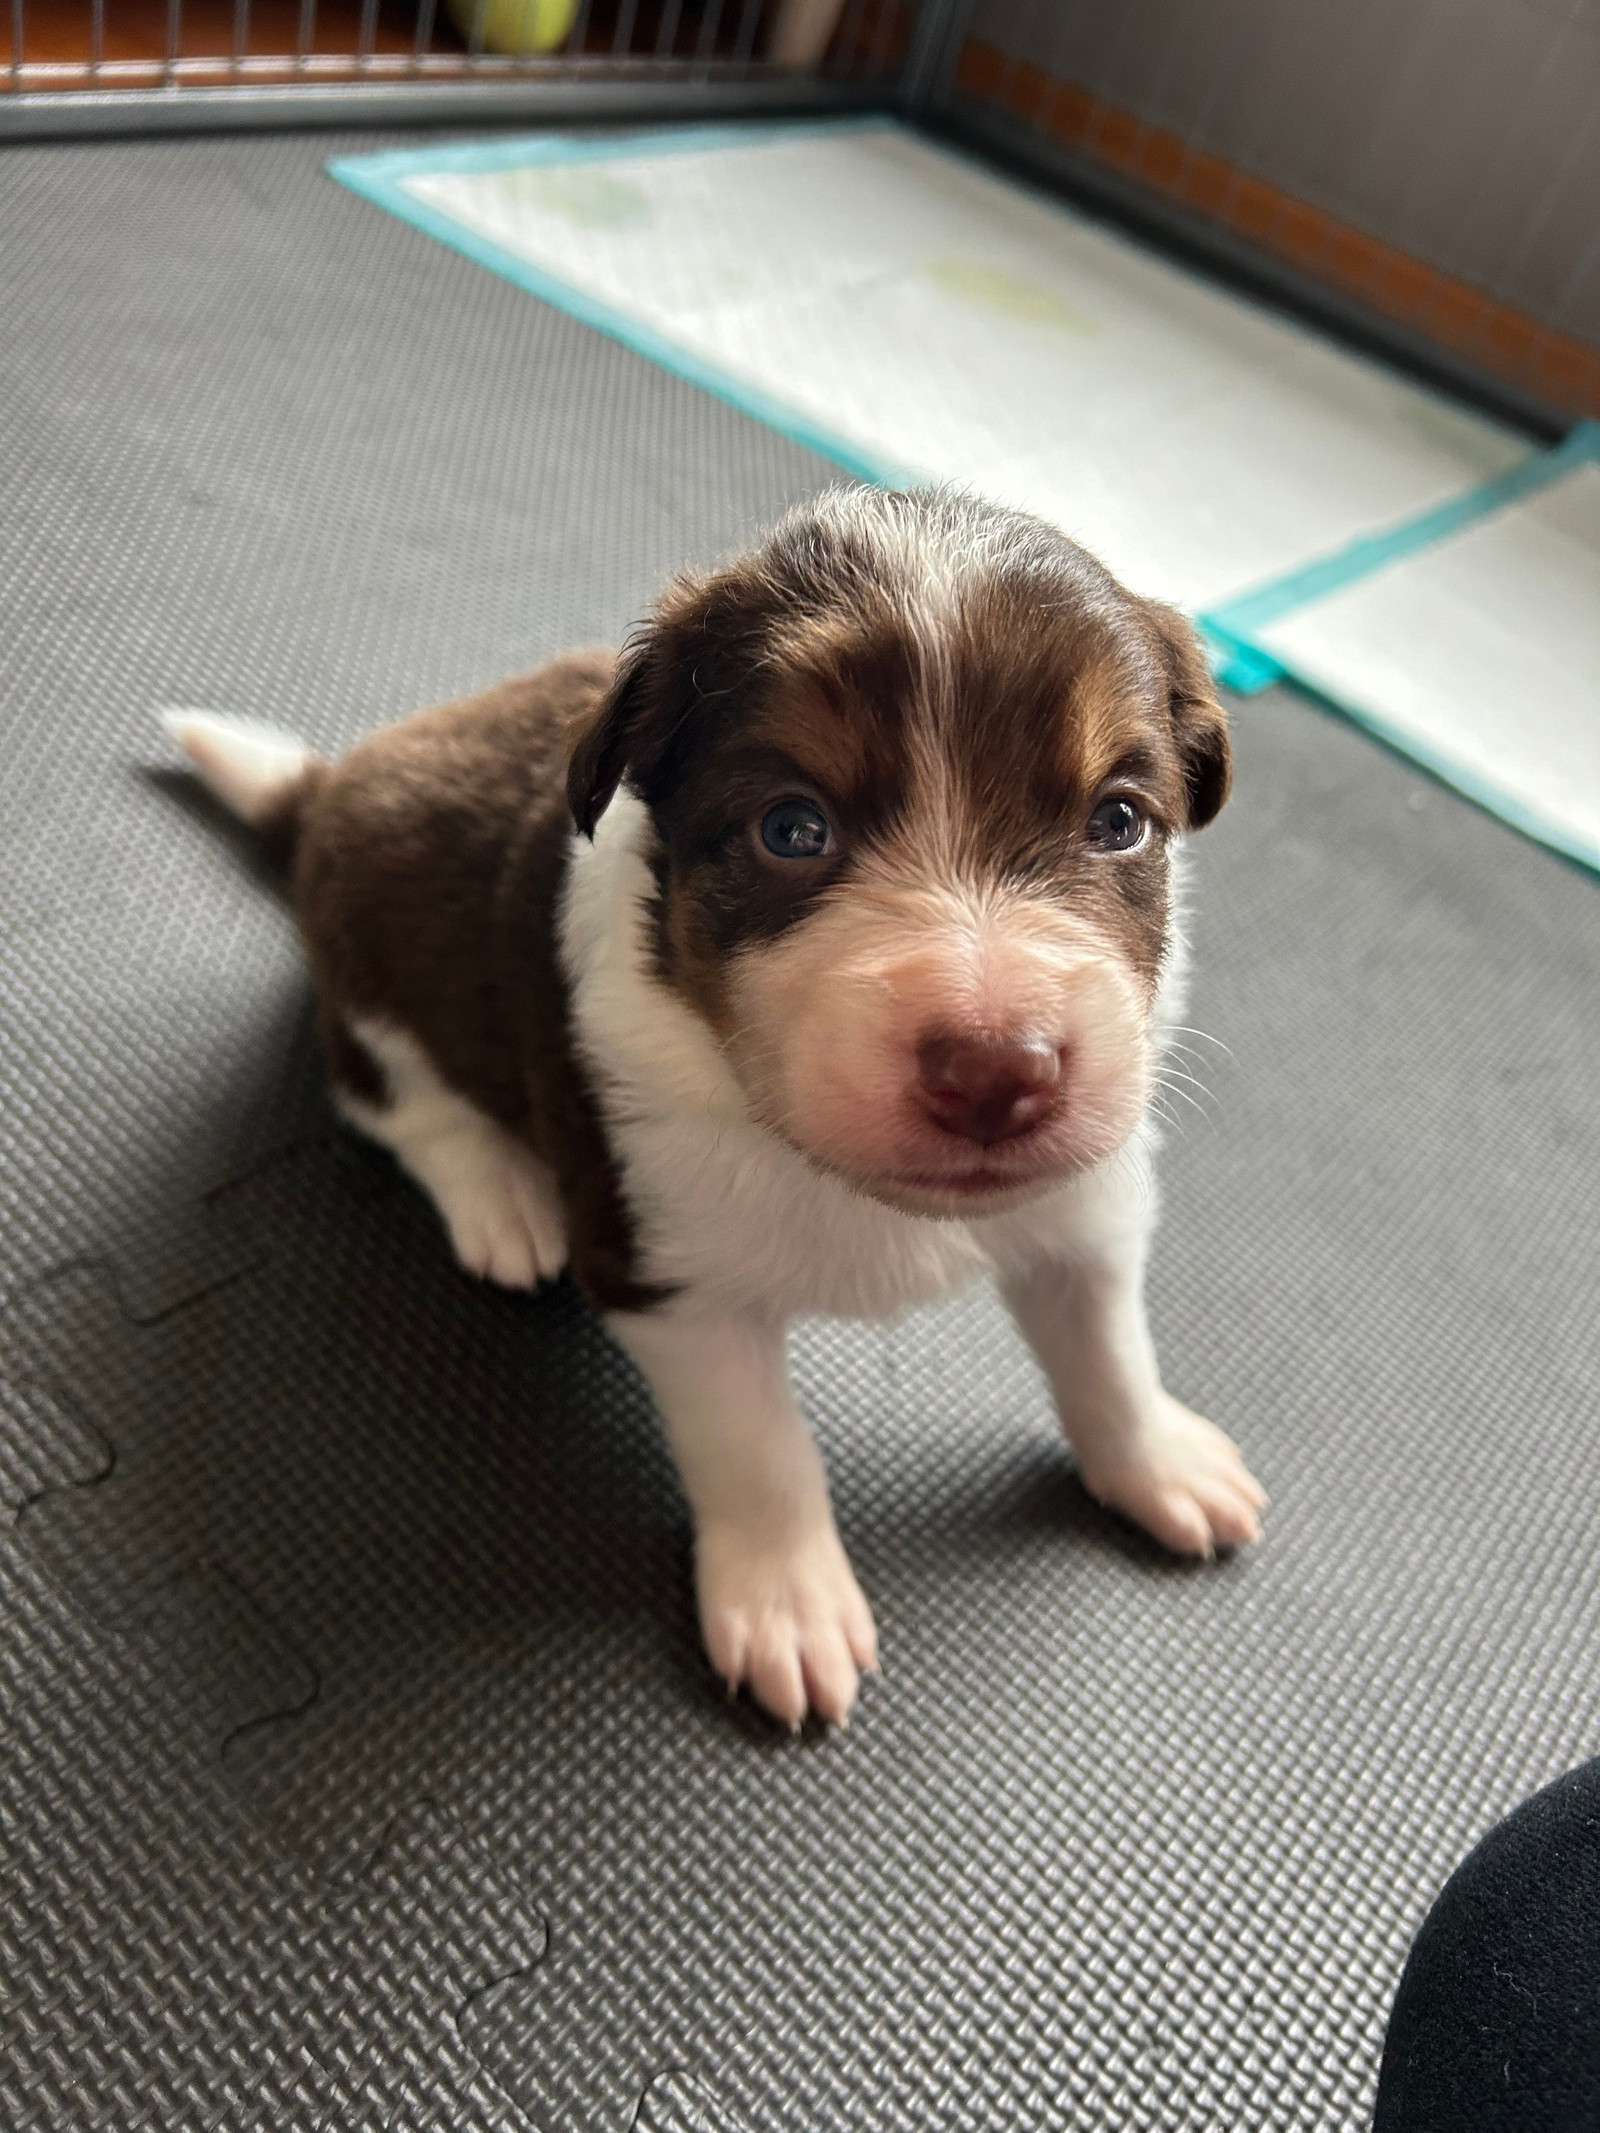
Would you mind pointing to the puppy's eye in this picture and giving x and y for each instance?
(796, 829)
(1117, 824)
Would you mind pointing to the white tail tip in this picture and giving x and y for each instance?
(250, 767)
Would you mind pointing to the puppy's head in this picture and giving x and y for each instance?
(915, 768)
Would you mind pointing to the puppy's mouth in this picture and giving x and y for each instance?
(974, 1185)
(971, 1179)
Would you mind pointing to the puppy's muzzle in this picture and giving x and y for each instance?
(988, 1089)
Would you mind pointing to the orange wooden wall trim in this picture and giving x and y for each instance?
(1457, 316)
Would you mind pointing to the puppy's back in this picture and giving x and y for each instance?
(403, 853)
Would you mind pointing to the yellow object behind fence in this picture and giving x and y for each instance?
(514, 25)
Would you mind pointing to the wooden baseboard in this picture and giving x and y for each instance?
(1435, 305)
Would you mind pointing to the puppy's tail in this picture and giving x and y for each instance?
(263, 775)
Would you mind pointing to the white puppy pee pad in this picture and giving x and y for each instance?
(1480, 655)
(1468, 637)
(914, 315)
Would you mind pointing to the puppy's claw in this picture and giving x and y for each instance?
(1181, 1479)
(786, 1620)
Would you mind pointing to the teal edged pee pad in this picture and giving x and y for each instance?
(913, 316)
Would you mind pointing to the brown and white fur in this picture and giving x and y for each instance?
(566, 979)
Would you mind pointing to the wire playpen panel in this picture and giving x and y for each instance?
(131, 46)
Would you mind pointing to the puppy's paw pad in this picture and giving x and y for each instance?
(788, 1622)
(1183, 1481)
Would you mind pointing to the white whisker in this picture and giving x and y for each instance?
(1185, 1029)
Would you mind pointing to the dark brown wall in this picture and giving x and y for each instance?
(1463, 132)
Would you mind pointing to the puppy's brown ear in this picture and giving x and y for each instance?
(606, 744)
(657, 685)
(1199, 723)
(631, 734)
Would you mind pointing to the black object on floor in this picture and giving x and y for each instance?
(1496, 2024)
(360, 1768)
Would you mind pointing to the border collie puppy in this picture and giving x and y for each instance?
(817, 954)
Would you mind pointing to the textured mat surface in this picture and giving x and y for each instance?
(359, 1767)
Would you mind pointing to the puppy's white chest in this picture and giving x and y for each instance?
(731, 1213)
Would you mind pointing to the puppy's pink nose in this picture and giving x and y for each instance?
(987, 1090)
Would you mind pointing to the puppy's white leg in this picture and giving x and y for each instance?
(1138, 1449)
(779, 1604)
(499, 1202)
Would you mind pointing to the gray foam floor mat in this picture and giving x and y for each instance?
(360, 1769)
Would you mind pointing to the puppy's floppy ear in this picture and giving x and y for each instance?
(605, 746)
(1199, 724)
(632, 732)
(648, 704)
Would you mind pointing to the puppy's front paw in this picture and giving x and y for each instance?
(503, 1213)
(1180, 1478)
(785, 1619)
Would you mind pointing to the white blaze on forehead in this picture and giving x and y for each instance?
(928, 557)
(932, 570)
(930, 579)
(935, 568)
(940, 558)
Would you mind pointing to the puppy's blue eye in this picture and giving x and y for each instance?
(1116, 825)
(796, 829)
